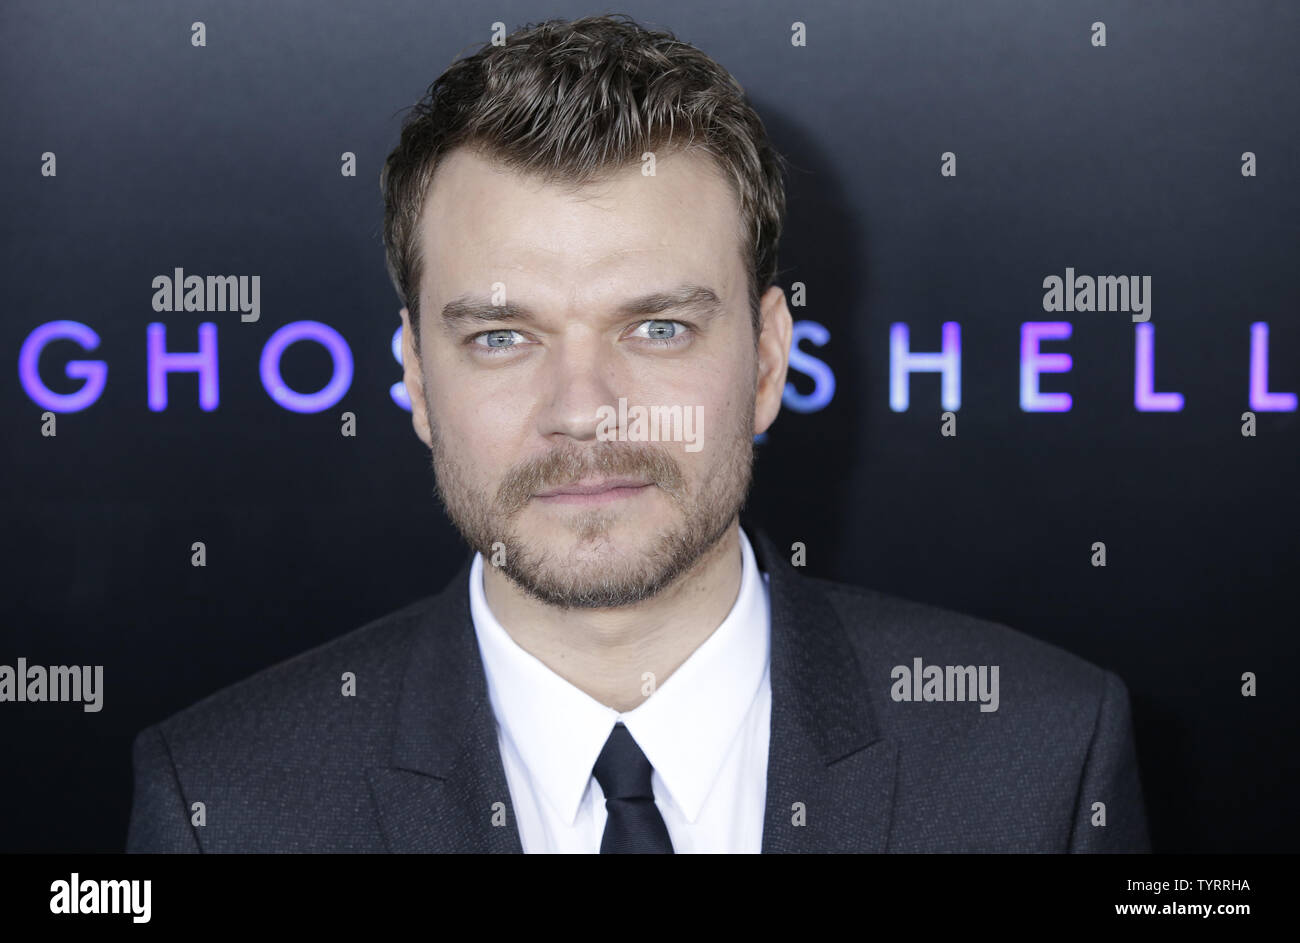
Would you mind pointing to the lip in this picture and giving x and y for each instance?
(594, 492)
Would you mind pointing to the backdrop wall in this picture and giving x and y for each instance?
(227, 158)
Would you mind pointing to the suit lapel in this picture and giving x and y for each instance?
(446, 786)
(828, 764)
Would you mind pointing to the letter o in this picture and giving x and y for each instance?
(328, 338)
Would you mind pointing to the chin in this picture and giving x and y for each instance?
(604, 543)
(608, 529)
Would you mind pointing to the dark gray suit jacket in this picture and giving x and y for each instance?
(283, 762)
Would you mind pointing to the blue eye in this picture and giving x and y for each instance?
(497, 339)
(661, 331)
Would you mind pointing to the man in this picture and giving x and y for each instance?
(582, 224)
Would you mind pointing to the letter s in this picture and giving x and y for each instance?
(821, 374)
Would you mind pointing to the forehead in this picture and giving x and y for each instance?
(483, 223)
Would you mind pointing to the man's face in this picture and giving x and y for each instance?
(536, 318)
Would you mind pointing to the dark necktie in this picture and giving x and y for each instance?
(634, 825)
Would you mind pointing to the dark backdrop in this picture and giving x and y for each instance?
(225, 159)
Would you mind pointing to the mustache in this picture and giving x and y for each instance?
(610, 459)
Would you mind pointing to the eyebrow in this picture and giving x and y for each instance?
(698, 299)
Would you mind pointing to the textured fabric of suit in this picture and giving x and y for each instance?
(283, 762)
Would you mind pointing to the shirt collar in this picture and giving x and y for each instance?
(685, 728)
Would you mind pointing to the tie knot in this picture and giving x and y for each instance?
(622, 769)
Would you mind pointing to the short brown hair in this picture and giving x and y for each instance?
(569, 101)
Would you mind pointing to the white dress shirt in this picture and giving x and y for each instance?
(704, 730)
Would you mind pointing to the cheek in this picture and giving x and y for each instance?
(713, 376)
(724, 392)
(482, 427)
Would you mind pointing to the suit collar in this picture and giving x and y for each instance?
(828, 766)
(445, 790)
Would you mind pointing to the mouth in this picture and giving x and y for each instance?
(600, 491)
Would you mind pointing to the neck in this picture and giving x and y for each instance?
(608, 652)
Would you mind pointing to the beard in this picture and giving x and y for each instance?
(581, 569)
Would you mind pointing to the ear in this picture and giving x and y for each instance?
(413, 377)
(775, 330)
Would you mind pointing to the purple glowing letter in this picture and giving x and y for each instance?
(339, 352)
(94, 372)
(1144, 397)
(1261, 400)
(161, 362)
(398, 390)
(903, 363)
(1032, 363)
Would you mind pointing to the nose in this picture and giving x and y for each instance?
(579, 377)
